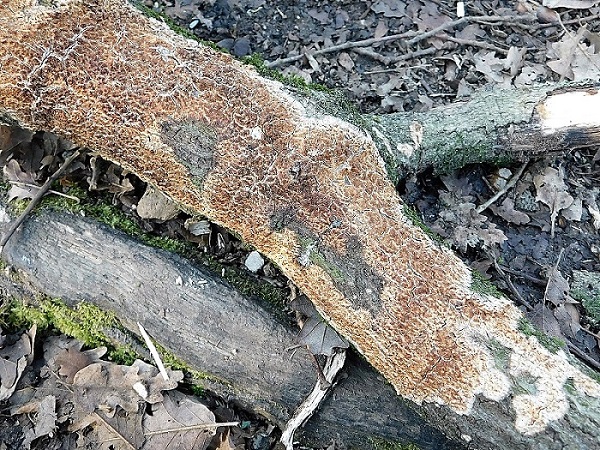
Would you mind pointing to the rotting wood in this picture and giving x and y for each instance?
(310, 192)
(242, 348)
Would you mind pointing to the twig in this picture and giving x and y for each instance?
(333, 365)
(153, 352)
(474, 43)
(50, 191)
(322, 380)
(581, 355)
(519, 274)
(512, 287)
(37, 198)
(503, 191)
(340, 47)
(202, 426)
(413, 37)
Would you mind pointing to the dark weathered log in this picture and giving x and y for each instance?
(209, 325)
(309, 191)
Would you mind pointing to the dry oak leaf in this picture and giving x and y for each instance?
(44, 421)
(508, 212)
(122, 431)
(13, 361)
(71, 360)
(552, 191)
(178, 423)
(23, 184)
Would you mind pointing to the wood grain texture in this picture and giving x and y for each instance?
(306, 189)
(208, 324)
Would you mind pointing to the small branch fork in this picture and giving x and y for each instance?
(38, 197)
(412, 37)
(334, 364)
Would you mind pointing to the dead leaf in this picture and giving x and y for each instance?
(320, 337)
(575, 211)
(381, 29)
(105, 386)
(389, 8)
(508, 212)
(460, 221)
(346, 61)
(557, 289)
(514, 60)
(171, 426)
(491, 66)
(122, 431)
(574, 59)
(568, 318)
(72, 359)
(552, 191)
(23, 184)
(13, 361)
(225, 441)
(156, 205)
(542, 318)
(154, 382)
(44, 421)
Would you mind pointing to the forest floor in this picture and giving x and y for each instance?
(539, 242)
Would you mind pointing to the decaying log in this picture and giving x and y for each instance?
(244, 350)
(310, 192)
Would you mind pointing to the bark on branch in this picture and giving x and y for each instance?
(309, 191)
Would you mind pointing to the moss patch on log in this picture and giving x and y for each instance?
(551, 343)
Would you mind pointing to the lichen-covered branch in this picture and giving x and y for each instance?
(495, 126)
(307, 190)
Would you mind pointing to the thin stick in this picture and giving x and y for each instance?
(333, 365)
(581, 355)
(153, 352)
(202, 426)
(503, 191)
(37, 198)
(50, 191)
(413, 36)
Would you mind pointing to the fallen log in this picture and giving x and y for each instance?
(243, 349)
(310, 192)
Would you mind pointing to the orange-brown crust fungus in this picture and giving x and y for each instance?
(308, 192)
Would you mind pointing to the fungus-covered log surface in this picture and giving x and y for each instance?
(309, 191)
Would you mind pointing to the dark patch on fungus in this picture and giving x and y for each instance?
(194, 145)
(350, 273)
(282, 217)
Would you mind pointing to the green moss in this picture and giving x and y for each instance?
(309, 247)
(585, 288)
(551, 343)
(289, 80)
(334, 272)
(274, 297)
(414, 216)
(175, 363)
(382, 444)
(482, 286)
(86, 323)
